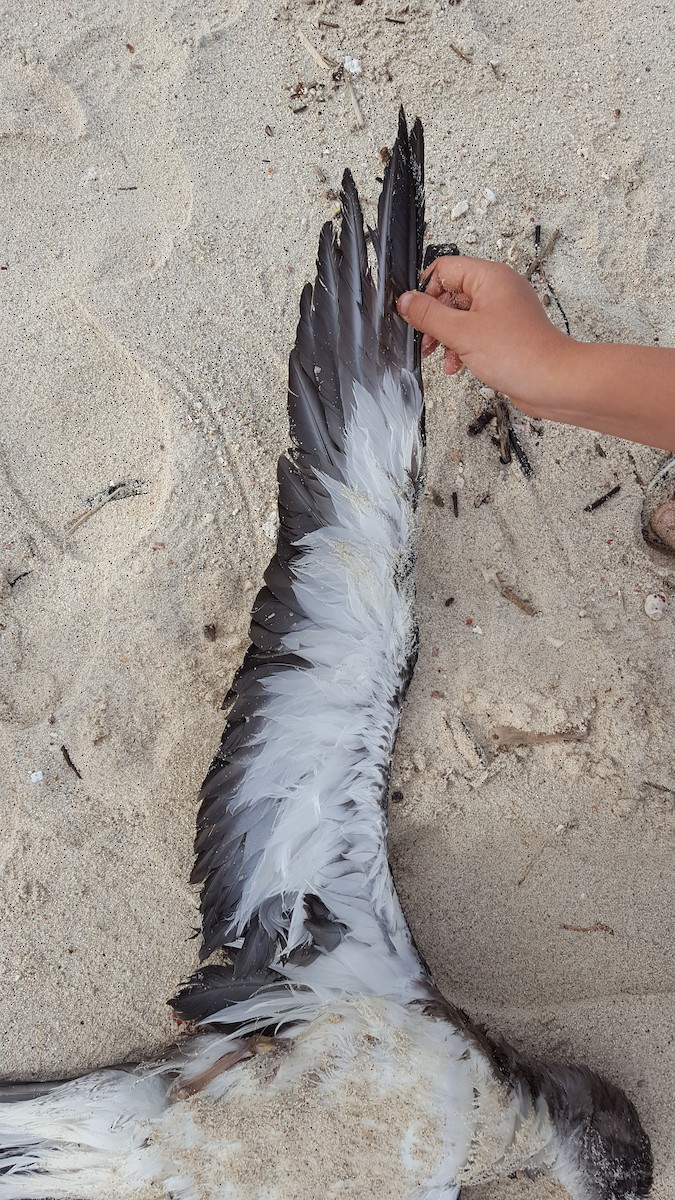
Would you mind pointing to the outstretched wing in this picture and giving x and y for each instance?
(291, 834)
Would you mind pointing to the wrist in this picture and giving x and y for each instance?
(549, 375)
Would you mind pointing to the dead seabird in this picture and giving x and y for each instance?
(328, 1062)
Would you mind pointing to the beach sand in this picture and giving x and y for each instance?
(164, 179)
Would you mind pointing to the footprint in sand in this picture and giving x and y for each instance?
(90, 155)
(76, 496)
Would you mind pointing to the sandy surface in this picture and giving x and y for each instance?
(161, 204)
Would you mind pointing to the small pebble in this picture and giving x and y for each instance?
(490, 196)
(36, 776)
(655, 606)
(459, 210)
(487, 393)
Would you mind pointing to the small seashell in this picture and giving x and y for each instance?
(490, 196)
(459, 210)
(655, 605)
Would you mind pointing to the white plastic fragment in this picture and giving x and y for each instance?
(36, 776)
(352, 65)
(490, 195)
(271, 525)
(655, 605)
(460, 208)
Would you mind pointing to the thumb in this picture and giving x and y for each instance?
(431, 316)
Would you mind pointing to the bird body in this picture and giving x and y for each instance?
(370, 1097)
(338, 1069)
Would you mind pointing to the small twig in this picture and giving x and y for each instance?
(70, 762)
(503, 439)
(133, 188)
(547, 845)
(532, 862)
(658, 787)
(542, 255)
(327, 24)
(455, 504)
(483, 419)
(394, 20)
(536, 265)
(16, 578)
(117, 491)
(327, 64)
(360, 120)
(597, 928)
(602, 499)
(523, 461)
(558, 305)
(513, 597)
(460, 53)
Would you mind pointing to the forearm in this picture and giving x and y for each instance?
(626, 391)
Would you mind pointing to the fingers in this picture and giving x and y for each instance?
(452, 273)
(431, 316)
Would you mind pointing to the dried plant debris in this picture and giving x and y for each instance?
(602, 499)
(597, 927)
(485, 416)
(508, 737)
(303, 94)
(515, 598)
(116, 491)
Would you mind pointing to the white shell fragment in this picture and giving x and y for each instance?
(36, 776)
(655, 605)
(490, 196)
(352, 65)
(459, 209)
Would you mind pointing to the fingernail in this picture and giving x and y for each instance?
(404, 303)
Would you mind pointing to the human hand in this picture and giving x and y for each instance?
(490, 320)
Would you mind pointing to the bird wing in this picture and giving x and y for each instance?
(291, 833)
